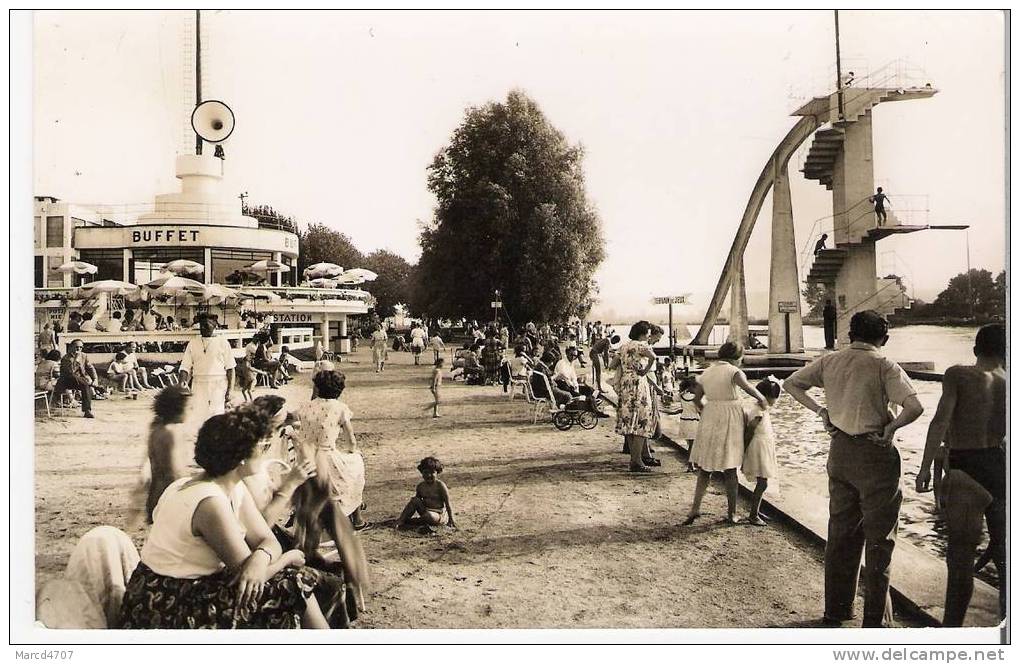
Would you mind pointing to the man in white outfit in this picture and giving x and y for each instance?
(208, 367)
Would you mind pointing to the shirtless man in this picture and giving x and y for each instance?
(971, 420)
(879, 199)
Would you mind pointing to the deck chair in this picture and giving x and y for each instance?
(524, 384)
(548, 404)
(45, 397)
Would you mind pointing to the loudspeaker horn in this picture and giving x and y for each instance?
(213, 121)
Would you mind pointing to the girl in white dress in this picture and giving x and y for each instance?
(760, 455)
(719, 445)
(327, 437)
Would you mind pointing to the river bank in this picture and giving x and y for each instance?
(554, 532)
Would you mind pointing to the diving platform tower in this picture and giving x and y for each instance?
(840, 158)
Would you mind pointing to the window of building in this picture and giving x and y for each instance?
(227, 263)
(54, 231)
(109, 261)
(54, 278)
(37, 227)
(289, 278)
(147, 262)
(38, 271)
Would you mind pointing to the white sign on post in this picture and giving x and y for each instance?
(787, 307)
(676, 299)
(496, 305)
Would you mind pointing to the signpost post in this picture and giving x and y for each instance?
(496, 305)
(676, 299)
(786, 308)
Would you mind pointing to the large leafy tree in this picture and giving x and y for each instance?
(393, 285)
(512, 215)
(974, 293)
(321, 244)
(814, 294)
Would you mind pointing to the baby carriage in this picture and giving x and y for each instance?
(580, 411)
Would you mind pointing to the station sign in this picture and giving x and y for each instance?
(495, 305)
(675, 299)
(787, 307)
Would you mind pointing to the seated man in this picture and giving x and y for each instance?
(538, 386)
(77, 374)
(565, 378)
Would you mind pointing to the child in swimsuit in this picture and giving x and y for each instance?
(430, 505)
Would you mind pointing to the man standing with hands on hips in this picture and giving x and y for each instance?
(208, 367)
(863, 466)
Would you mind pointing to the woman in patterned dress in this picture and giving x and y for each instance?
(635, 417)
(210, 560)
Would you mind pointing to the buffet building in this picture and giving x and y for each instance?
(133, 244)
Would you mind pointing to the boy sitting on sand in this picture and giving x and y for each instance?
(430, 506)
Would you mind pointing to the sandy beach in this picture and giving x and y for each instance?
(553, 530)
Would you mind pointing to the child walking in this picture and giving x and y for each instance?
(760, 455)
(437, 381)
(430, 505)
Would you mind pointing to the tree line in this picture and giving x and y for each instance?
(976, 295)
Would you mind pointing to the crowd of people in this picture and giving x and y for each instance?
(228, 547)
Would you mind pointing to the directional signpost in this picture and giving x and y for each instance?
(787, 307)
(675, 299)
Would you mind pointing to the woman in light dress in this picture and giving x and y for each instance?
(719, 445)
(635, 417)
(379, 342)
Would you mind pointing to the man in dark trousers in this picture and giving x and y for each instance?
(879, 199)
(77, 374)
(863, 466)
(829, 323)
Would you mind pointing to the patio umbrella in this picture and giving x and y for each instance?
(177, 288)
(213, 294)
(266, 267)
(111, 286)
(256, 295)
(350, 278)
(183, 266)
(365, 275)
(78, 267)
(320, 270)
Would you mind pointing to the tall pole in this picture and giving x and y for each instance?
(839, 70)
(970, 293)
(198, 71)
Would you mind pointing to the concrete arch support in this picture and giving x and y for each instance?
(786, 330)
(800, 132)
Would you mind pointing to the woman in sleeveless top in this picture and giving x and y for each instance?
(719, 445)
(210, 560)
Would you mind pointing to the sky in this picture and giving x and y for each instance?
(340, 114)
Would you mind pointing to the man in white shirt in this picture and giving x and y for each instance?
(565, 378)
(88, 323)
(208, 366)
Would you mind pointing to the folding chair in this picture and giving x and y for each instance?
(45, 396)
(525, 386)
(546, 403)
